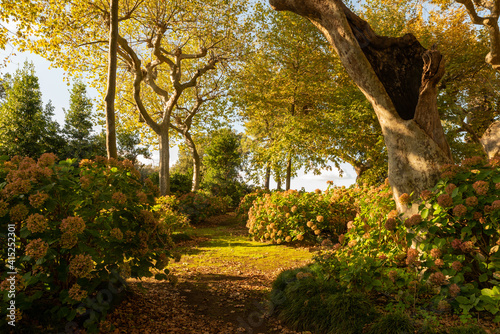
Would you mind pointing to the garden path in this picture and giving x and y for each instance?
(223, 280)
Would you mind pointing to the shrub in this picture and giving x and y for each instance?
(200, 205)
(180, 183)
(292, 215)
(307, 301)
(458, 236)
(169, 216)
(77, 230)
(445, 257)
(247, 202)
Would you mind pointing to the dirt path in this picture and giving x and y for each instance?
(223, 281)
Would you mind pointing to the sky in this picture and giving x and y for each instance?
(54, 88)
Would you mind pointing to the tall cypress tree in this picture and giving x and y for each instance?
(81, 142)
(26, 128)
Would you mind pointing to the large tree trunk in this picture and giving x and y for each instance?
(164, 162)
(196, 162)
(267, 177)
(491, 140)
(288, 173)
(111, 89)
(398, 76)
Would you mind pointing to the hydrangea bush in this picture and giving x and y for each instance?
(200, 205)
(291, 215)
(77, 229)
(456, 236)
(445, 257)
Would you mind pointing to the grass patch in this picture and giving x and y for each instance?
(231, 249)
(392, 323)
(305, 301)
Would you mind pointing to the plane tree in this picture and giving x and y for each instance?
(399, 77)
(163, 47)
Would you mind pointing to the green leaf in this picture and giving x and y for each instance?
(433, 229)
(463, 300)
(483, 277)
(424, 213)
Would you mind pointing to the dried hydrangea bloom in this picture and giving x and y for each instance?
(86, 181)
(456, 243)
(471, 201)
(142, 197)
(37, 223)
(445, 200)
(426, 195)
(454, 290)
(47, 159)
(449, 188)
(481, 187)
(437, 278)
(390, 224)
(459, 210)
(81, 265)
(413, 220)
(18, 213)
(68, 240)
(37, 200)
(439, 263)
(436, 253)
(411, 256)
(72, 225)
(456, 265)
(443, 305)
(404, 198)
(467, 246)
(77, 293)
(119, 198)
(37, 249)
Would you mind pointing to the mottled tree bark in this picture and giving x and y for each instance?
(398, 76)
(491, 140)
